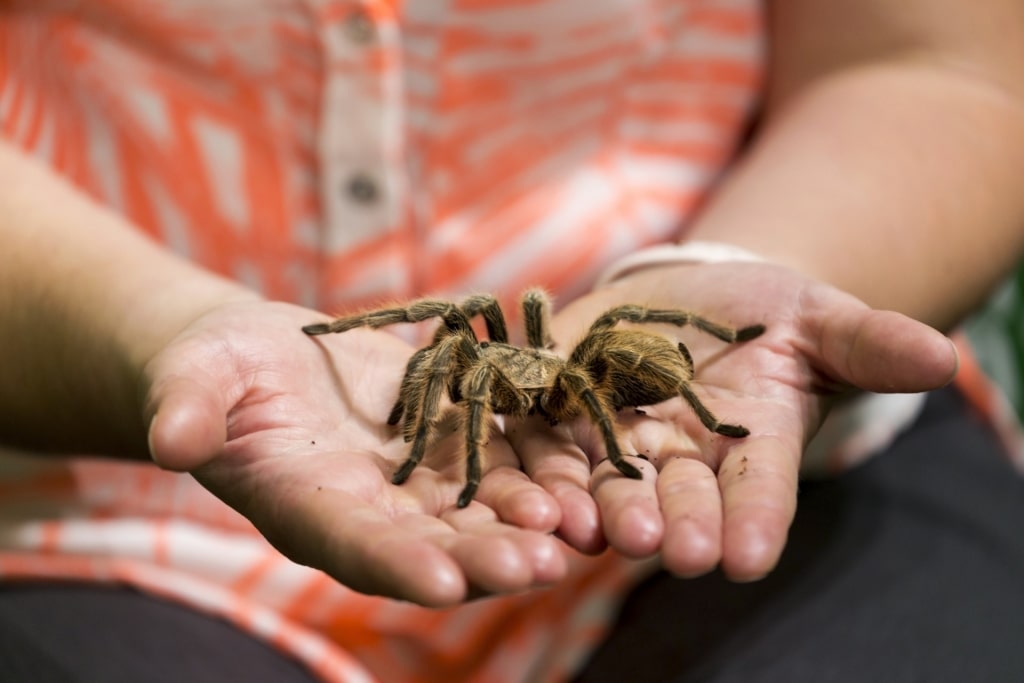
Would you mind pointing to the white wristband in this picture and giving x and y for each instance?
(668, 254)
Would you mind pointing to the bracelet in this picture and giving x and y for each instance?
(668, 254)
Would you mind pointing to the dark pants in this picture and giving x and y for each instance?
(910, 568)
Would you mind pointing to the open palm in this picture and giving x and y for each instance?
(706, 499)
(290, 432)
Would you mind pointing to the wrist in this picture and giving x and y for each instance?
(88, 300)
(164, 304)
(696, 251)
(117, 349)
(158, 314)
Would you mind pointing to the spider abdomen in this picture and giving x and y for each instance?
(637, 367)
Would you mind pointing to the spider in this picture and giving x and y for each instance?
(608, 370)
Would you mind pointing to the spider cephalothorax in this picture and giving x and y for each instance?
(609, 369)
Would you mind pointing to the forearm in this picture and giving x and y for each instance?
(85, 300)
(897, 180)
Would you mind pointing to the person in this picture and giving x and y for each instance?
(185, 184)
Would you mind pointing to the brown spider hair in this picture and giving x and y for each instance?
(609, 369)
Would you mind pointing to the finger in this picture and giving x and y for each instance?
(885, 351)
(581, 518)
(503, 488)
(497, 558)
(188, 426)
(552, 459)
(518, 500)
(686, 456)
(416, 556)
(691, 505)
(629, 508)
(758, 481)
(365, 549)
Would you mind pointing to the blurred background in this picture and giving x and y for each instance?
(997, 332)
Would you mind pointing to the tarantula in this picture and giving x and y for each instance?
(609, 369)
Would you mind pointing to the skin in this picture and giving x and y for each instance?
(884, 176)
(708, 500)
(202, 376)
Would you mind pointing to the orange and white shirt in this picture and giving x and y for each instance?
(334, 153)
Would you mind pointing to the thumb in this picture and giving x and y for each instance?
(188, 424)
(886, 352)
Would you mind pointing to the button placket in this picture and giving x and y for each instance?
(357, 203)
(362, 187)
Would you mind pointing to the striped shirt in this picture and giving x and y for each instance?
(334, 153)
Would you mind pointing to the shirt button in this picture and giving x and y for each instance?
(363, 189)
(360, 28)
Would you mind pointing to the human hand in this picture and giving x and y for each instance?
(706, 499)
(289, 430)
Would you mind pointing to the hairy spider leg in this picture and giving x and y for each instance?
(574, 381)
(537, 319)
(419, 376)
(439, 371)
(707, 418)
(687, 358)
(405, 389)
(477, 392)
(455, 320)
(640, 314)
(487, 306)
(497, 330)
